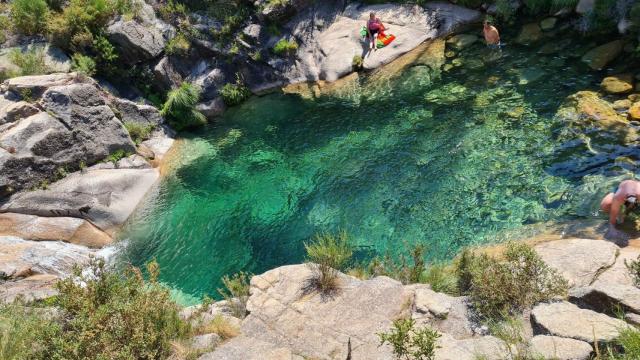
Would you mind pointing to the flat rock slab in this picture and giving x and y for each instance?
(486, 347)
(37, 287)
(567, 320)
(618, 273)
(578, 260)
(288, 314)
(606, 298)
(67, 229)
(553, 347)
(104, 197)
(22, 258)
(249, 348)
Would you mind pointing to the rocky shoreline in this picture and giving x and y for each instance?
(287, 322)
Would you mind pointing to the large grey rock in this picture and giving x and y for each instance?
(142, 114)
(554, 347)
(36, 287)
(249, 348)
(618, 273)
(17, 111)
(486, 347)
(606, 297)
(212, 108)
(585, 6)
(104, 197)
(136, 42)
(37, 84)
(166, 77)
(205, 342)
(444, 313)
(429, 301)
(22, 258)
(330, 37)
(578, 260)
(55, 60)
(71, 230)
(289, 316)
(210, 82)
(567, 320)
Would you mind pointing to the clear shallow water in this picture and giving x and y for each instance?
(447, 159)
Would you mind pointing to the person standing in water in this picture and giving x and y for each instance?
(627, 194)
(374, 27)
(491, 35)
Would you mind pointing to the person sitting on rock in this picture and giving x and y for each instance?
(491, 35)
(627, 194)
(374, 27)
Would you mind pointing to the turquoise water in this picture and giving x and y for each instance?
(444, 158)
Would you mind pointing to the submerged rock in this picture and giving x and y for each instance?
(529, 34)
(548, 23)
(602, 55)
(618, 84)
(462, 41)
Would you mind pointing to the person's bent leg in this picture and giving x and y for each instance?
(605, 204)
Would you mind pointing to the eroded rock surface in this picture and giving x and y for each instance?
(553, 347)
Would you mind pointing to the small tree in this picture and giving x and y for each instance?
(180, 107)
(328, 254)
(30, 16)
(409, 343)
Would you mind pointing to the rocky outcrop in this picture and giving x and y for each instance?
(579, 261)
(136, 42)
(328, 50)
(36, 287)
(104, 197)
(569, 321)
(554, 347)
(607, 297)
(617, 84)
(71, 230)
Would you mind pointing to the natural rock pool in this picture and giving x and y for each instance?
(465, 155)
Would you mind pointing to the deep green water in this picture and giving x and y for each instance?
(446, 159)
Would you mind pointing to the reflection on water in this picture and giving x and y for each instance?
(445, 158)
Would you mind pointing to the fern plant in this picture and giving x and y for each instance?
(180, 107)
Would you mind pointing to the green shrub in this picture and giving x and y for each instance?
(105, 54)
(256, 55)
(357, 62)
(328, 254)
(30, 62)
(510, 330)
(171, 11)
(116, 156)
(83, 64)
(499, 287)
(180, 107)
(5, 26)
(29, 16)
(410, 343)
(404, 270)
(234, 94)
(633, 267)
(442, 278)
(100, 315)
(285, 47)
(236, 292)
(139, 132)
(179, 45)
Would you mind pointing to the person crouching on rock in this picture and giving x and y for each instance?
(491, 35)
(374, 27)
(627, 194)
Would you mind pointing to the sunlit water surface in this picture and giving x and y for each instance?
(444, 158)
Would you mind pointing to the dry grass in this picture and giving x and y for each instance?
(219, 325)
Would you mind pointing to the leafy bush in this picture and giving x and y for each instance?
(29, 16)
(499, 287)
(180, 107)
(30, 62)
(410, 343)
(139, 132)
(329, 253)
(100, 315)
(236, 292)
(633, 267)
(179, 45)
(116, 156)
(285, 47)
(404, 270)
(234, 94)
(357, 62)
(83, 64)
